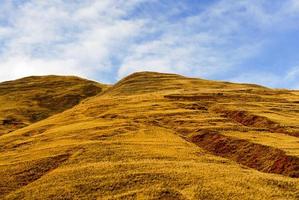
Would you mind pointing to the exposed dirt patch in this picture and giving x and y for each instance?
(10, 121)
(251, 120)
(168, 194)
(9, 124)
(195, 97)
(257, 156)
(223, 97)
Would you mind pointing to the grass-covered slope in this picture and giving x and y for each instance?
(160, 136)
(28, 100)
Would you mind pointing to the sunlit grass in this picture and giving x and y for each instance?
(133, 143)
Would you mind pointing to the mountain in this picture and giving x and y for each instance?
(31, 99)
(156, 136)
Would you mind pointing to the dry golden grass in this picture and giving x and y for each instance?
(28, 100)
(281, 141)
(134, 141)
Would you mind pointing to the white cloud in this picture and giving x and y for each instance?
(293, 73)
(289, 79)
(261, 78)
(21, 66)
(57, 37)
(201, 45)
(94, 38)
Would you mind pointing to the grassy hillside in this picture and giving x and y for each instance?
(160, 136)
(28, 100)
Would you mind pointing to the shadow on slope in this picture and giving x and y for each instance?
(14, 177)
(28, 100)
(257, 156)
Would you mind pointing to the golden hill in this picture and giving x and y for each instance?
(31, 99)
(159, 136)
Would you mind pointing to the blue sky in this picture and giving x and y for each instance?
(254, 41)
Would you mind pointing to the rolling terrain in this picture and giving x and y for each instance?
(28, 100)
(149, 136)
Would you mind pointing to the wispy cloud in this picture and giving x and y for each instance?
(64, 38)
(288, 79)
(108, 39)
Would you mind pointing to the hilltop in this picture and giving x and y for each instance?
(154, 136)
(28, 100)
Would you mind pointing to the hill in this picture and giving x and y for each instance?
(160, 136)
(31, 99)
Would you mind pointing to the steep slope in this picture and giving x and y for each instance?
(160, 136)
(28, 100)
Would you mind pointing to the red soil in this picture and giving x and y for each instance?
(257, 156)
(251, 120)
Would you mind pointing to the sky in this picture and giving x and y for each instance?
(253, 41)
